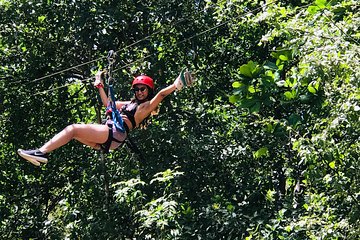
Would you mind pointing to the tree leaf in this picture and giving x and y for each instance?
(251, 89)
(245, 70)
(283, 58)
(270, 65)
(261, 152)
(249, 70)
(332, 165)
(289, 95)
(237, 84)
(234, 98)
(311, 88)
(294, 119)
(313, 9)
(255, 108)
(247, 103)
(321, 3)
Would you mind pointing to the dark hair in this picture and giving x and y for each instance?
(147, 121)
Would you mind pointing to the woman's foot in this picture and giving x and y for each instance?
(34, 156)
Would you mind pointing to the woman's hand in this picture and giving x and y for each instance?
(99, 81)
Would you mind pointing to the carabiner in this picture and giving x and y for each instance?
(111, 57)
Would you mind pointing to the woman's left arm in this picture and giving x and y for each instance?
(155, 101)
(184, 79)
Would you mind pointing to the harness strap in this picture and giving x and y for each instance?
(130, 143)
(106, 145)
(115, 114)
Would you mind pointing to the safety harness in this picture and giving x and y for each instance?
(114, 117)
(112, 113)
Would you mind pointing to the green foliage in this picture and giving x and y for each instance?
(264, 146)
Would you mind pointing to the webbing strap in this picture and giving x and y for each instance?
(116, 117)
(105, 147)
(130, 143)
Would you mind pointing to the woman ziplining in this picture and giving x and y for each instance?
(123, 116)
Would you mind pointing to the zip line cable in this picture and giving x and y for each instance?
(143, 39)
(94, 60)
(128, 46)
(147, 56)
(89, 78)
(97, 59)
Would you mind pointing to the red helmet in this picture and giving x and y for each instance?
(143, 79)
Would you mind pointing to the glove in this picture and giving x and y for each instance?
(184, 79)
(99, 81)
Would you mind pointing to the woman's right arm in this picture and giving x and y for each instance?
(99, 83)
(103, 96)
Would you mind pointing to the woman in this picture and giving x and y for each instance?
(134, 113)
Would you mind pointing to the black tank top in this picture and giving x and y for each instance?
(129, 110)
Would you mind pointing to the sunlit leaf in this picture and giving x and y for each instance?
(313, 9)
(41, 18)
(283, 57)
(237, 84)
(321, 3)
(234, 98)
(270, 195)
(306, 206)
(311, 88)
(332, 164)
(251, 89)
(261, 152)
(246, 70)
(289, 95)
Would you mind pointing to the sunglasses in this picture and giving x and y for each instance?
(141, 89)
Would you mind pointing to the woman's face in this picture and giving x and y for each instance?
(141, 91)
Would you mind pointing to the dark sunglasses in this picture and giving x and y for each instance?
(141, 89)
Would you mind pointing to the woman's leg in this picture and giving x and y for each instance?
(89, 134)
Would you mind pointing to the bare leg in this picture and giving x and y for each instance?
(91, 144)
(89, 134)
